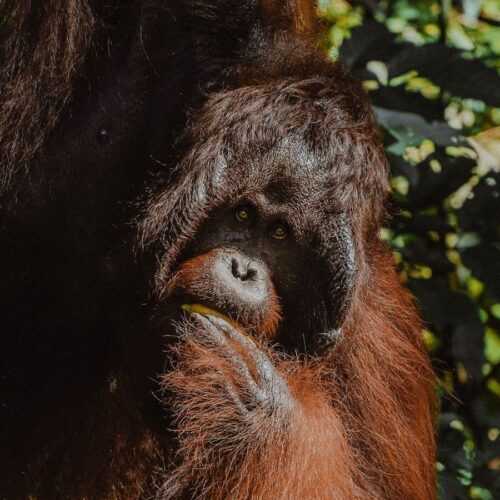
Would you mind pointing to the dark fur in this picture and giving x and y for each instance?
(39, 60)
(79, 134)
(91, 101)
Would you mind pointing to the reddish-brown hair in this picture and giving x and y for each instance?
(362, 426)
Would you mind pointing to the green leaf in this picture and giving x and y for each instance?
(492, 346)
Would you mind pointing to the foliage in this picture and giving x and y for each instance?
(431, 70)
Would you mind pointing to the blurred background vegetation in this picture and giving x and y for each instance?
(431, 69)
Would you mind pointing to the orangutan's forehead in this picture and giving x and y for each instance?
(294, 151)
(295, 187)
(291, 159)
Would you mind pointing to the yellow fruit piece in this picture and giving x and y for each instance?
(204, 311)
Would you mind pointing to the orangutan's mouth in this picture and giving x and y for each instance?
(205, 311)
(191, 303)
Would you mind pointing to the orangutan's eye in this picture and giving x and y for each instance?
(279, 231)
(243, 214)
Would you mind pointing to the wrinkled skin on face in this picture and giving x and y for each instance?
(257, 261)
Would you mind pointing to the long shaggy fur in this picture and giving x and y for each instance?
(361, 426)
(388, 386)
(40, 55)
(228, 454)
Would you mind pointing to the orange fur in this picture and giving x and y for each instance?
(360, 426)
